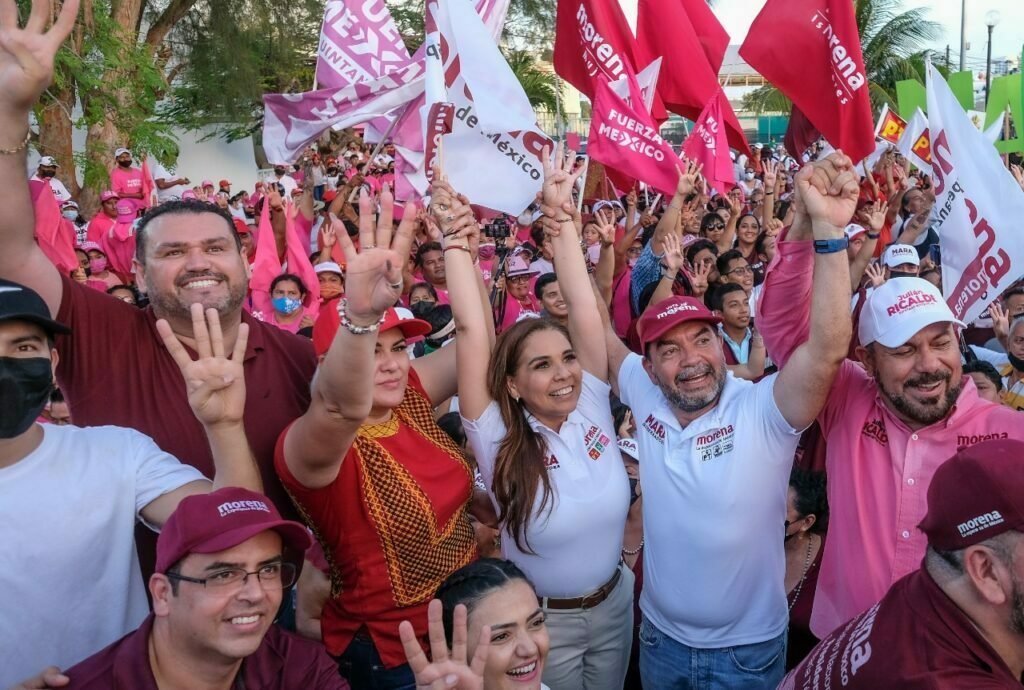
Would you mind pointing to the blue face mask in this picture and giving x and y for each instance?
(286, 305)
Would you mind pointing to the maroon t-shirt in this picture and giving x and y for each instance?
(283, 661)
(915, 638)
(114, 369)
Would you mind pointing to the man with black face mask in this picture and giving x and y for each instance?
(901, 261)
(127, 181)
(71, 495)
(285, 180)
(47, 172)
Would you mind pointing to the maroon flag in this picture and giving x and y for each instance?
(624, 136)
(440, 118)
(800, 134)
(707, 145)
(593, 44)
(688, 79)
(713, 38)
(810, 50)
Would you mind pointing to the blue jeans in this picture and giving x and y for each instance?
(361, 666)
(666, 664)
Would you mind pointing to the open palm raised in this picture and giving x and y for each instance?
(27, 54)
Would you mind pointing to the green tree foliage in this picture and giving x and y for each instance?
(893, 44)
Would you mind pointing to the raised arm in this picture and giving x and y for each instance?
(342, 394)
(215, 384)
(473, 330)
(829, 192)
(689, 176)
(571, 267)
(767, 210)
(876, 219)
(26, 69)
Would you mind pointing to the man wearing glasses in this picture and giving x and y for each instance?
(224, 560)
(734, 268)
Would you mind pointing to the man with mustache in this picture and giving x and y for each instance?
(717, 456)
(888, 424)
(115, 370)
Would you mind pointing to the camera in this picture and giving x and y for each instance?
(498, 229)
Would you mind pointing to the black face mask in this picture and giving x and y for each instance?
(25, 386)
(1016, 362)
(279, 171)
(125, 164)
(901, 274)
(47, 174)
(633, 495)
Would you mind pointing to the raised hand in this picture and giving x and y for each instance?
(1000, 322)
(773, 227)
(771, 172)
(1018, 174)
(373, 279)
(215, 383)
(699, 281)
(329, 237)
(829, 189)
(448, 670)
(605, 221)
(876, 274)
(875, 214)
(631, 198)
(27, 54)
(689, 176)
(450, 210)
(559, 176)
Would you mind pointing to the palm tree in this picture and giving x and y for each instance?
(893, 46)
(540, 85)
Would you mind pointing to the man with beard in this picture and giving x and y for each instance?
(127, 180)
(115, 370)
(958, 622)
(717, 456)
(47, 172)
(888, 424)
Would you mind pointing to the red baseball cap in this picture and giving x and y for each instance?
(975, 495)
(662, 317)
(220, 520)
(224, 183)
(241, 227)
(327, 323)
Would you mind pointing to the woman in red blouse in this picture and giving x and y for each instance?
(383, 488)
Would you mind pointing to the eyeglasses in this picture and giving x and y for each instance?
(519, 279)
(271, 576)
(740, 270)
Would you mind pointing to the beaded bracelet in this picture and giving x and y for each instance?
(351, 327)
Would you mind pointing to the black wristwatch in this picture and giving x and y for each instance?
(831, 246)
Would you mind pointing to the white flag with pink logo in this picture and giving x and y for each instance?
(978, 207)
(359, 41)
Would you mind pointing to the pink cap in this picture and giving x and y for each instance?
(188, 194)
(207, 183)
(220, 520)
(518, 266)
(125, 212)
(108, 194)
(662, 317)
(89, 245)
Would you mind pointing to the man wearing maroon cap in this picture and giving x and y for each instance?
(115, 370)
(958, 622)
(224, 560)
(717, 456)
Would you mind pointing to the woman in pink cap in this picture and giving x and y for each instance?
(536, 414)
(384, 489)
(104, 218)
(118, 241)
(100, 275)
(517, 302)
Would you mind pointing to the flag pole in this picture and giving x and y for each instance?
(377, 149)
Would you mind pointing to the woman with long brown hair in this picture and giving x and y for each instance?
(384, 489)
(537, 415)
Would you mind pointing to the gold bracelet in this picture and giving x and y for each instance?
(20, 147)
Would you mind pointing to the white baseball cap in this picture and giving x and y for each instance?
(901, 307)
(899, 254)
(121, 150)
(48, 162)
(328, 267)
(852, 230)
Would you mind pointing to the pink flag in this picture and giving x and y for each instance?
(709, 146)
(358, 42)
(572, 140)
(625, 137)
(267, 265)
(148, 186)
(293, 121)
(54, 234)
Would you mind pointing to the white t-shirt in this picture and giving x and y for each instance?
(289, 184)
(714, 511)
(543, 266)
(160, 172)
(578, 542)
(60, 192)
(70, 582)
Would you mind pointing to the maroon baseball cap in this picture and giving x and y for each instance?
(975, 495)
(662, 317)
(220, 520)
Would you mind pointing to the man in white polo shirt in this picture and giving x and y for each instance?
(717, 454)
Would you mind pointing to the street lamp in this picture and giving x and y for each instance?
(991, 19)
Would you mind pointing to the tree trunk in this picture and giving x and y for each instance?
(55, 133)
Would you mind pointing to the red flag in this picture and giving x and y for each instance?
(625, 137)
(572, 141)
(148, 186)
(799, 135)
(688, 80)
(713, 38)
(810, 49)
(707, 145)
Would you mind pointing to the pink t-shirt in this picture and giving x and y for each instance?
(128, 182)
(878, 468)
(515, 310)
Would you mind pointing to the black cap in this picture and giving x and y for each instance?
(19, 303)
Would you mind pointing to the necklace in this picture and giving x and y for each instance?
(633, 552)
(807, 565)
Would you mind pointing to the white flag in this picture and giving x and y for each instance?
(978, 206)
(647, 78)
(910, 143)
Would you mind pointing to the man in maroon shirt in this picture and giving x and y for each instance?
(958, 622)
(115, 370)
(224, 560)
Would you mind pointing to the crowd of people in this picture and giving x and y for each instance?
(717, 439)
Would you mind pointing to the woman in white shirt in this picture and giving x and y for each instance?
(537, 415)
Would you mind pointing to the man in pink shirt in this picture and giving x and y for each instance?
(888, 424)
(127, 180)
